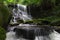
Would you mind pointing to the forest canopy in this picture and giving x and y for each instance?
(26, 2)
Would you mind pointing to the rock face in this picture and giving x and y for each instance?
(58, 30)
(43, 10)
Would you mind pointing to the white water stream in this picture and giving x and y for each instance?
(53, 36)
(21, 13)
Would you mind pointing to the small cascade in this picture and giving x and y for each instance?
(55, 35)
(31, 33)
(14, 16)
(10, 35)
(22, 11)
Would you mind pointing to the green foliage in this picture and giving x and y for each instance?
(25, 2)
(2, 34)
(41, 21)
(4, 15)
(42, 10)
(1, 1)
(48, 10)
(55, 22)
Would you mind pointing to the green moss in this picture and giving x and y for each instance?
(55, 22)
(2, 34)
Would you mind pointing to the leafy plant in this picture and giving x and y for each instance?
(2, 33)
(5, 15)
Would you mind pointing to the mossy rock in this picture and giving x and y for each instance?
(20, 21)
(28, 22)
(2, 34)
(41, 21)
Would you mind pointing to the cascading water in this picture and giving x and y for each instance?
(55, 35)
(22, 12)
(28, 31)
(40, 35)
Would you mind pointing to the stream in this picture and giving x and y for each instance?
(11, 35)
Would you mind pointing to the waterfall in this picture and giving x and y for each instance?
(28, 31)
(22, 12)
